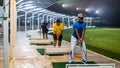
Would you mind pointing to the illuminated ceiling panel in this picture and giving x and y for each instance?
(38, 3)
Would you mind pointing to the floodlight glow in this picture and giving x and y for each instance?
(63, 5)
(66, 5)
(77, 8)
(87, 10)
(97, 12)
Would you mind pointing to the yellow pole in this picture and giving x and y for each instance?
(12, 31)
(12, 23)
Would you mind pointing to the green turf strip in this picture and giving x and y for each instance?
(35, 38)
(51, 43)
(63, 64)
(39, 44)
(41, 51)
(59, 54)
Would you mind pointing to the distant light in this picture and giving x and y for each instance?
(97, 12)
(66, 5)
(63, 5)
(77, 8)
(87, 10)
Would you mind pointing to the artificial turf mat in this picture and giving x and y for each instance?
(39, 44)
(42, 52)
(63, 64)
(59, 54)
(51, 43)
(35, 38)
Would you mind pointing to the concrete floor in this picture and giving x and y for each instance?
(26, 55)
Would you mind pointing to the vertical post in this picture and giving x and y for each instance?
(19, 23)
(32, 21)
(25, 22)
(15, 18)
(50, 22)
(91, 22)
(12, 30)
(42, 18)
(73, 20)
(38, 21)
(55, 18)
(63, 19)
(46, 18)
(68, 22)
(5, 31)
(12, 26)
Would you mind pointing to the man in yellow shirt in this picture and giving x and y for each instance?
(58, 28)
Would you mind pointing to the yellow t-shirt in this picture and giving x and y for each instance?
(57, 29)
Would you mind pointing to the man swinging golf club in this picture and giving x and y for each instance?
(78, 36)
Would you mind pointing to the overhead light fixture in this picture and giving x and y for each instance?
(28, 2)
(27, 5)
(20, 6)
(41, 11)
(19, 1)
(30, 7)
(36, 9)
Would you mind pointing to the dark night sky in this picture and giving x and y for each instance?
(110, 9)
(112, 13)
